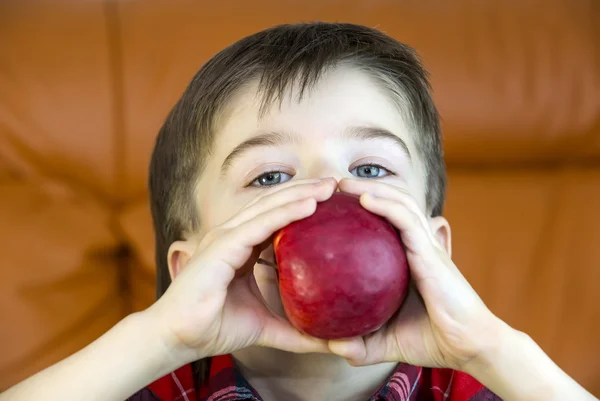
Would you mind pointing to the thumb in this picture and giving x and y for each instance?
(353, 350)
(280, 334)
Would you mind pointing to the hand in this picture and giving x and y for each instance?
(214, 306)
(443, 322)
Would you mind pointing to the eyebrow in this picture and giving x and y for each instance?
(274, 139)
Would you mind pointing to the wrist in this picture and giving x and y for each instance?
(514, 367)
(123, 360)
(169, 346)
(501, 365)
(497, 340)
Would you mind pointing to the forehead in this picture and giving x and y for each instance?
(343, 97)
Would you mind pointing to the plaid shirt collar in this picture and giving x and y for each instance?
(407, 383)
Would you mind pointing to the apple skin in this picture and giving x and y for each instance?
(342, 271)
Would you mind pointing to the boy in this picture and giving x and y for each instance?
(268, 128)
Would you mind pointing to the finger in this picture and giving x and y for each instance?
(402, 217)
(248, 267)
(353, 349)
(276, 331)
(236, 246)
(416, 238)
(279, 333)
(277, 188)
(320, 190)
(375, 188)
(399, 207)
(382, 190)
(362, 351)
(429, 263)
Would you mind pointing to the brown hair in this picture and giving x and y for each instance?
(277, 58)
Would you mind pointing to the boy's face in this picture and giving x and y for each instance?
(346, 126)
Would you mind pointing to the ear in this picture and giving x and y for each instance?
(441, 230)
(180, 252)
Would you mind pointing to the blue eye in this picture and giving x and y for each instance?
(369, 171)
(271, 178)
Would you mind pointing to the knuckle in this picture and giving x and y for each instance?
(214, 234)
(295, 207)
(307, 190)
(258, 198)
(414, 218)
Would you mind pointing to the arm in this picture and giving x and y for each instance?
(443, 323)
(128, 357)
(516, 368)
(200, 314)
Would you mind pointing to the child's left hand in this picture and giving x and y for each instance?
(443, 322)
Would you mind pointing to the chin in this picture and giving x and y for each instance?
(276, 363)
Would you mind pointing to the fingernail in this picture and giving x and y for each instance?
(368, 195)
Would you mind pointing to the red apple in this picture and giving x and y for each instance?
(342, 271)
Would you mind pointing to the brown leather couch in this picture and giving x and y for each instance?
(84, 87)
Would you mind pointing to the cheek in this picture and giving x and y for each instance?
(212, 213)
(219, 207)
(418, 185)
(215, 203)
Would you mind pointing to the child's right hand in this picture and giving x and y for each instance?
(214, 306)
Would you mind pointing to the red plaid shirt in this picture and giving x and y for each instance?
(407, 383)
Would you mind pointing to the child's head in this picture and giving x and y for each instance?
(303, 101)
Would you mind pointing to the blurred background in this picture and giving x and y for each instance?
(85, 86)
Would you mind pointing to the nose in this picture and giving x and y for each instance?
(325, 170)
